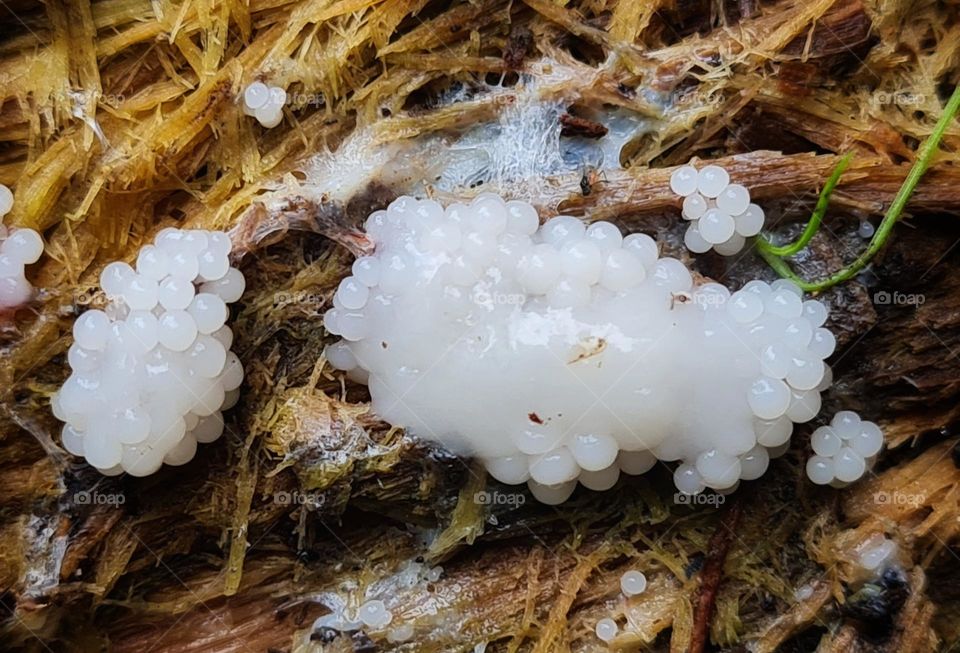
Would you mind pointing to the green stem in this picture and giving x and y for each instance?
(924, 159)
(783, 269)
(818, 212)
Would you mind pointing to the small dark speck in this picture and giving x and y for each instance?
(383, 343)
(533, 417)
(695, 565)
(362, 643)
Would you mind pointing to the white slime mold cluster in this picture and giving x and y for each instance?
(844, 450)
(265, 103)
(373, 614)
(566, 352)
(720, 213)
(152, 373)
(18, 248)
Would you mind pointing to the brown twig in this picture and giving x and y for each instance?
(710, 577)
(576, 126)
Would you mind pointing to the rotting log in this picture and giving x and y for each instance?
(309, 500)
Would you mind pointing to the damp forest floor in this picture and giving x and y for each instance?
(121, 117)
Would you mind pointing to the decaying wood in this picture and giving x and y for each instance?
(120, 117)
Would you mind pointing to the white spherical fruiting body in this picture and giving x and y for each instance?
(720, 213)
(153, 372)
(633, 583)
(607, 629)
(444, 328)
(6, 200)
(19, 247)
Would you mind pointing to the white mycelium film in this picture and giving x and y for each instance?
(569, 352)
(153, 372)
(19, 247)
(720, 213)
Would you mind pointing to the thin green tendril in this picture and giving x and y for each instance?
(818, 212)
(773, 255)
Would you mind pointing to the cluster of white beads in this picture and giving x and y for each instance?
(720, 213)
(372, 614)
(844, 450)
(152, 374)
(265, 103)
(18, 248)
(568, 352)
